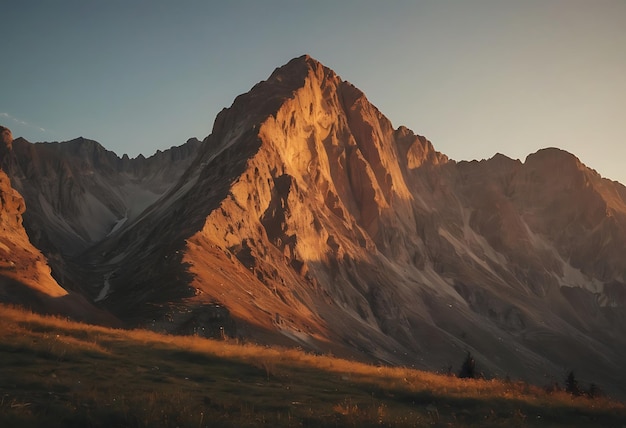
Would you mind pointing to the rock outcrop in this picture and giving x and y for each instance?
(20, 261)
(6, 139)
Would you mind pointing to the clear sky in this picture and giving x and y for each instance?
(476, 77)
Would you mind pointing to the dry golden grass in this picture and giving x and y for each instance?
(64, 373)
(271, 359)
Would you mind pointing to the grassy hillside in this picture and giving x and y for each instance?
(57, 373)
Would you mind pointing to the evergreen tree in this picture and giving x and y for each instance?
(468, 369)
(571, 384)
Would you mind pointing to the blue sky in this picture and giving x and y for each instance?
(476, 77)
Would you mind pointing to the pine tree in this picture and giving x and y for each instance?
(468, 369)
(571, 384)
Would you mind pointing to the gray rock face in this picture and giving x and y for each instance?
(307, 219)
(25, 276)
(78, 193)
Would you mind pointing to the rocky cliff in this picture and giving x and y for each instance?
(307, 219)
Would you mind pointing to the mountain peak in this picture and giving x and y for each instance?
(267, 97)
(552, 159)
(299, 65)
(552, 153)
(293, 74)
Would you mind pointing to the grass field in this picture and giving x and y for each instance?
(57, 373)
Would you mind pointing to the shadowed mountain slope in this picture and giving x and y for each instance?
(25, 276)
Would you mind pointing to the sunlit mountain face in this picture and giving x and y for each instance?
(306, 219)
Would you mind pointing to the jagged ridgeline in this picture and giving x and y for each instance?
(305, 218)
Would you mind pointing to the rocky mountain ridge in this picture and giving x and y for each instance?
(25, 274)
(307, 219)
(78, 192)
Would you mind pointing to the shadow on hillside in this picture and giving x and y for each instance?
(72, 305)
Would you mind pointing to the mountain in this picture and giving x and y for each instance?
(78, 193)
(307, 219)
(25, 276)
